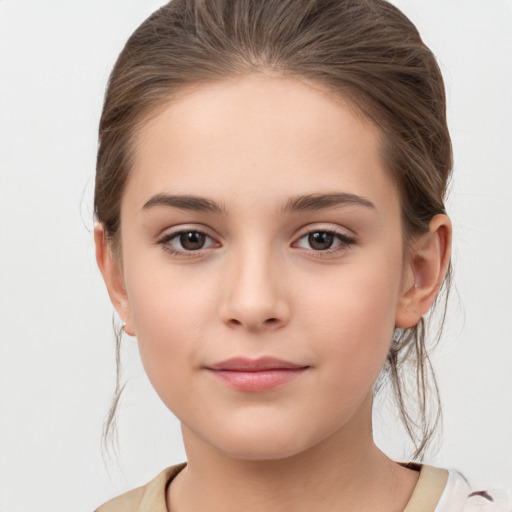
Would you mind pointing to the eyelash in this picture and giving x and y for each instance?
(164, 241)
(344, 240)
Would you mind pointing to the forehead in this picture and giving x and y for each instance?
(255, 137)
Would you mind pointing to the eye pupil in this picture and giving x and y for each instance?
(320, 240)
(192, 240)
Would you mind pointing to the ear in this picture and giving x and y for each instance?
(112, 273)
(428, 262)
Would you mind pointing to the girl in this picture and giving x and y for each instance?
(271, 227)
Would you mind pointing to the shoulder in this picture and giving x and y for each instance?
(440, 490)
(149, 497)
(458, 496)
(127, 502)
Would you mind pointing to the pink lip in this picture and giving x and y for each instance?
(261, 374)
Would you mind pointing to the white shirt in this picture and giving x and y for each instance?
(459, 497)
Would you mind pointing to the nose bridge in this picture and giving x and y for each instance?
(255, 294)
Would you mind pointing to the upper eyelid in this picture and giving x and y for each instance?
(172, 231)
(342, 237)
(320, 227)
(167, 237)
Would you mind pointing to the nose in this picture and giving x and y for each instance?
(254, 295)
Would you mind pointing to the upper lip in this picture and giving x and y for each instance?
(242, 364)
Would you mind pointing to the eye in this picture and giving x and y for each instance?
(324, 240)
(186, 241)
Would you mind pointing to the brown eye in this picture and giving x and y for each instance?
(320, 240)
(183, 242)
(324, 241)
(192, 240)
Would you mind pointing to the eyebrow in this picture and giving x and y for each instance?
(186, 202)
(313, 202)
(300, 203)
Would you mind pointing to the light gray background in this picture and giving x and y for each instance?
(56, 342)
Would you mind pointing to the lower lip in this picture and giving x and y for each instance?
(263, 380)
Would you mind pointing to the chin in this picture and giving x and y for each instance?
(261, 452)
(257, 442)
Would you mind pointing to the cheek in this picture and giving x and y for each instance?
(169, 313)
(352, 317)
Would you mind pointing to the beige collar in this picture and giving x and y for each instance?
(431, 484)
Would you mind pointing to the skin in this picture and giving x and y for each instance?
(259, 288)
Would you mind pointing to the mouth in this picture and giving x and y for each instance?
(263, 374)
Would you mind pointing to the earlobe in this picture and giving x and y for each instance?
(112, 273)
(428, 263)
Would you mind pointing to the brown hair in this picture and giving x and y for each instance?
(367, 51)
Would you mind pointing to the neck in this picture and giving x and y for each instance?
(345, 472)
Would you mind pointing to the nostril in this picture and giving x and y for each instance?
(269, 321)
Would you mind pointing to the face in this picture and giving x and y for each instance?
(262, 264)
